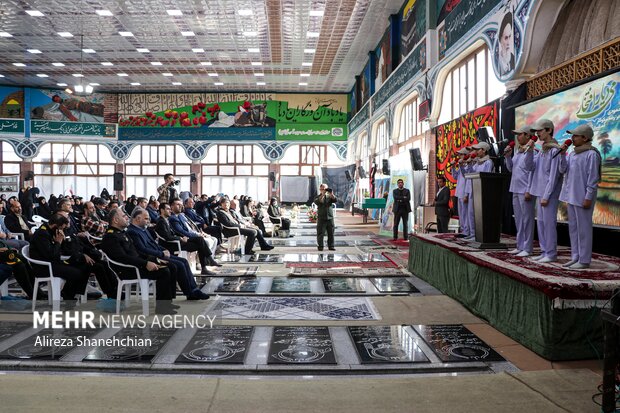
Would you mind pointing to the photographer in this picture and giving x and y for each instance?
(325, 217)
(166, 190)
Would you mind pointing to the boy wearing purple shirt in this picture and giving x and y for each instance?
(582, 172)
(463, 168)
(482, 163)
(521, 165)
(546, 185)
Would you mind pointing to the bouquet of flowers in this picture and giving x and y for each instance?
(312, 215)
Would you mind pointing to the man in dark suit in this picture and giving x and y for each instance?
(325, 217)
(401, 208)
(189, 244)
(182, 225)
(119, 247)
(190, 212)
(146, 244)
(441, 205)
(225, 217)
(16, 222)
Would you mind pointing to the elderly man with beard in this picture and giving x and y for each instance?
(16, 222)
(91, 222)
(146, 244)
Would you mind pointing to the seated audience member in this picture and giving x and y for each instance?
(188, 210)
(12, 263)
(101, 208)
(91, 222)
(16, 222)
(146, 244)
(3, 209)
(246, 222)
(186, 227)
(256, 213)
(18, 244)
(75, 226)
(43, 210)
(46, 245)
(153, 209)
(189, 244)
(226, 219)
(119, 247)
(113, 204)
(274, 211)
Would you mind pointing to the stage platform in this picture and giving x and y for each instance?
(552, 310)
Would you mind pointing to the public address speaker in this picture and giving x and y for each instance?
(348, 175)
(386, 167)
(118, 181)
(416, 159)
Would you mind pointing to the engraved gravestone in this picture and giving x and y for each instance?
(343, 285)
(220, 344)
(454, 342)
(48, 344)
(393, 285)
(290, 285)
(135, 345)
(386, 344)
(301, 345)
(238, 285)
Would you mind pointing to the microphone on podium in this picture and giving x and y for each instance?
(567, 143)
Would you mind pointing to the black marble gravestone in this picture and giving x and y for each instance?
(238, 285)
(386, 344)
(265, 258)
(454, 342)
(48, 344)
(144, 345)
(393, 285)
(9, 329)
(220, 344)
(327, 257)
(301, 345)
(290, 285)
(342, 285)
(235, 271)
(228, 258)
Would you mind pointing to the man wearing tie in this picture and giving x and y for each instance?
(441, 205)
(401, 208)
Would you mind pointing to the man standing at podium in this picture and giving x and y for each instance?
(441, 205)
(401, 208)
(461, 181)
(482, 164)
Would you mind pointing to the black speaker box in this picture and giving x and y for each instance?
(272, 176)
(29, 176)
(192, 177)
(416, 159)
(385, 167)
(118, 181)
(348, 175)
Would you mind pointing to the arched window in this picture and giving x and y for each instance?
(9, 161)
(236, 170)
(147, 165)
(470, 85)
(72, 168)
(382, 146)
(306, 160)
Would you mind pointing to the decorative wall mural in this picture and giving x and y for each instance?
(459, 133)
(413, 25)
(11, 102)
(57, 105)
(383, 61)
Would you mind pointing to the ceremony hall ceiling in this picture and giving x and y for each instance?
(174, 46)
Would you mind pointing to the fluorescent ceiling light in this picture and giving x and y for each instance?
(156, 63)
(250, 34)
(256, 63)
(65, 34)
(305, 75)
(58, 64)
(104, 12)
(260, 83)
(303, 84)
(126, 34)
(259, 74)
(94, 84)
(198, 50)
(77, 75)
(135, 84)
(1, 75)
(42, 75)
(177, 83)
(107, 64)
(168, 74)
(34, 51)
(79, 88)
(88, 89)
(317, 13)
(142, 50)
(219, 84)
(312, 34)
(88, 51)
(61, 84)
(122, 74)
(34, 13)
(174, 12)
(213, 74)
(188, 34)
(245, 12)
(206, 63)
(5, 34)
(309, 50)
(19, 64)
(254, 50)
(306, 64)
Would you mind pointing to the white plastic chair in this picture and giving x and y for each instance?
(143, 285)
(16, 235)
(37, 221)
(54, 284)
(234, 242)
(4, 289)
(276, 225)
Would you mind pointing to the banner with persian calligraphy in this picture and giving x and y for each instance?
(598, 104)
(413, 25)
(463, 17)
(50, 128)
(11, 126)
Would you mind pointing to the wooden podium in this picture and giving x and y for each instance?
(488, 194)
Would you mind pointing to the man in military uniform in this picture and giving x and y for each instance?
(325, 217)
(119, 247)
(401, 208)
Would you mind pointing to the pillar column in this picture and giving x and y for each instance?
(196, 178)
(274, 179)
(120, 168)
